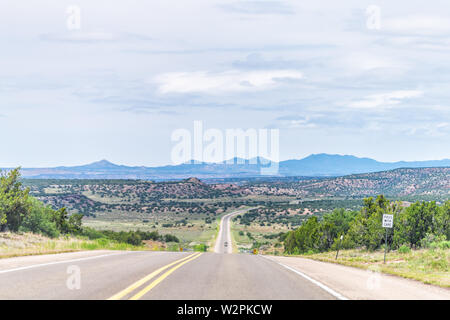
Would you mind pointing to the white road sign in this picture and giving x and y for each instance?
(388, 220)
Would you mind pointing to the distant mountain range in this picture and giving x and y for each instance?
(316, 165)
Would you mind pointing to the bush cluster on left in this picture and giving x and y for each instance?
(21, 212)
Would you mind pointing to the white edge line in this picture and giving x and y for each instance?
(65, 261)
(321, 285)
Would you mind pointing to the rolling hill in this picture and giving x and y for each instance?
(433, 183)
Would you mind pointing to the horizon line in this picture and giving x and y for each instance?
(194, 161)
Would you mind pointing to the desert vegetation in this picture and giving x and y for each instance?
(21, 213)
(414, 226)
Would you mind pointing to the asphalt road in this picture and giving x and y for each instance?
(152, 275)
(224, 241)
(133, 275)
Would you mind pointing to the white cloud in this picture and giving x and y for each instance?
(353, 76)
(258, 7)
(79, 36)
(417, 24)
(94, 36)
(300, 124)
(187, 82)
(297, 122)
(360, 61)
(384, 100)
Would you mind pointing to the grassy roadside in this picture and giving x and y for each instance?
(430, 266)
(212, 242)
(233, 238)
(234, 248)
(25, 244)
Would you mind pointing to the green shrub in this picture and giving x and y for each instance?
(404, 249)
(92, 234)
(444, 245)
(173, 247)
(430, 240)
(440, 245)
(170, 238)
(39, 221)
(200, 247)
(103, 242)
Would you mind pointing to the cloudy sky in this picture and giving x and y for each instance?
(328, 74)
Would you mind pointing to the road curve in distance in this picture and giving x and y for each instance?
(224, 240)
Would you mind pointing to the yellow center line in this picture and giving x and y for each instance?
(147, 278)
(160, 279)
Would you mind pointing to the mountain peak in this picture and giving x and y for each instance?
(101, 164)
(193, 180)
(335, 157)
(328, 155)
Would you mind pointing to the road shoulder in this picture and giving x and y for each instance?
(37, 260)
(361, 284)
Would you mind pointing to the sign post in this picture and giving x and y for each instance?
(388, 222)
(339, 245)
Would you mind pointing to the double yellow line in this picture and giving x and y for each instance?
(155, 282)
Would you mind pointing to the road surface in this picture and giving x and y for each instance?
(134, 275)
(224, 241)
(178, 275)
(151, 275)
(154, 275)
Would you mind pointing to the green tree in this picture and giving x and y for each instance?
(60, 217)
(14, 201)
(304, 238)
(40, 220)
(366, 230)
(134, 238)
(336, 224)
(74, 223)
(420, 218)
(442, 221)
(400, 236)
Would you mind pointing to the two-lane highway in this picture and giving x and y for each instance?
(134, 275)
(224, 240)
(154, 275)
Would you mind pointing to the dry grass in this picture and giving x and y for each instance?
(15, 244)
(429, 266)
(269, 246)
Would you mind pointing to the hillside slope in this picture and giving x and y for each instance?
(410, 182)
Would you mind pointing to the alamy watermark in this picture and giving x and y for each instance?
(239, 146)
(73, 21)
(73, 282)
(373, 14)
(373, 281)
